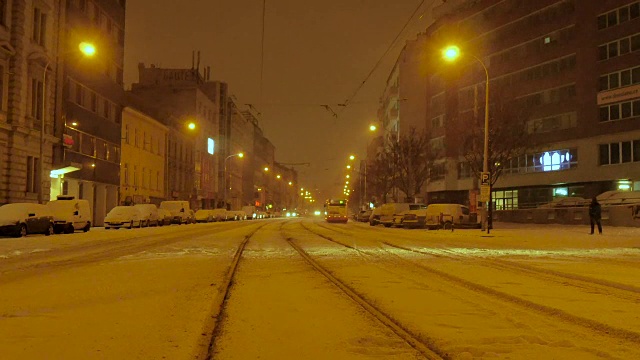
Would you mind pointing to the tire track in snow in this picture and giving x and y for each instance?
(106, 250)
(586, 323)
(425, 346)
(560, 277)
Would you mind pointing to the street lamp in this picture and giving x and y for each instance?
(373, 128)
(450, 54)
(352, 157)
(240, 155)
(88, 50)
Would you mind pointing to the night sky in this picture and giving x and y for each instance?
(316, 52)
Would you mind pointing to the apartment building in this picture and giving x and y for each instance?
(86, 163)
(573, 65)
(192, 117)
(143, 163)
(29, 82)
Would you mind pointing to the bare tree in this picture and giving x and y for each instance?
(509, 138)
(414, 157)
(380, 175)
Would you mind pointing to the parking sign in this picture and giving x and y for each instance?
(485, 178)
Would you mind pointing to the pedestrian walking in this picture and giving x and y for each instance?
(595, 214)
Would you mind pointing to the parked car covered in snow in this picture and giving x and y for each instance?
(164, 217)
(180, 211)
(123, 216)
(149, 213)
(204, 216)
(236, 215)
(219, 214)
(21, 219)
(70, 214)
(363, 215)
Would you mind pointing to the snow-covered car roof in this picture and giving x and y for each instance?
(21, 210)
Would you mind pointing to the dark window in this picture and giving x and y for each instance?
(39, 27)
(636, 108)
(94, 102)
(604, 113)
(635, 75)
(3, 12)
(614, 112)
(623, 14)
(79, 95)
(602, 52)
(604, 154)
(36, 99)
(626, 151)
(603, 83)
(624, 46)
(615, 153)
(625, 78)
(635, 43)
(634, 10)
(613, 49)
(626, 110)
(612, 18)
(636, 150)
(602, 22)
(614, 81)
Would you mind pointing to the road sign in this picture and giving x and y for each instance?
(485, 178)
(485, 193)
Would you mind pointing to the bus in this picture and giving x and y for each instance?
(335, 210)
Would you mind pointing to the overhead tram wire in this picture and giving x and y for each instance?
(348, 100)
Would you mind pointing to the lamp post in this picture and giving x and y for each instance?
(226, 186)
(450, 54)
(88, 50)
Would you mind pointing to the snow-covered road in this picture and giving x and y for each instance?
(304, 289)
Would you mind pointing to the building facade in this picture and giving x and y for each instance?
(192, 116)
(143, 163)
(29, 82)
(574, 66)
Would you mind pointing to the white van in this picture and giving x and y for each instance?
(70, 214)
(179, 209)
(250, 210)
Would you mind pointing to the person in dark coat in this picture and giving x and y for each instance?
(595, 214)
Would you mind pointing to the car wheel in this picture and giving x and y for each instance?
(447, 225)
(49, 230)
(22, 232)
(131, 224)
(69, 229)
(140, 224)
(87, 227)
(387, 225)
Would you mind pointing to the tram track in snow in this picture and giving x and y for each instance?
(212, 328)
(426, 346)
(629, 292)
(585, 323)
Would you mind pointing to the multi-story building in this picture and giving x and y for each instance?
(143, 163)
(29, 84)
(263, 170)
(87, 162)
(573, 65)
(192, 116)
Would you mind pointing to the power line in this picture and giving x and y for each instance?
(346, 102)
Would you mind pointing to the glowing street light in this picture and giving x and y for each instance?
(348, 166)
(87, 48)
(191, 126)
(451, 53)
(373, 128)
(352, 157)
(278, 176)
(290, 183)
(348, 176)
